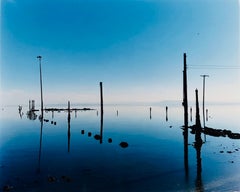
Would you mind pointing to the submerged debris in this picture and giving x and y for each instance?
(216, 132)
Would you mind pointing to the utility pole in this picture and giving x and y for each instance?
(204, 76)
(40, 69)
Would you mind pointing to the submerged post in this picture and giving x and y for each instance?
(40, 69)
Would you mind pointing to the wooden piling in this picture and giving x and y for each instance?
(101, 102)
(206, 114)
(166, 113)
(69, 115)
(101, 97)
(185, 98)
(198, 123)
(191, 114)
(150, 113)
(185, 105)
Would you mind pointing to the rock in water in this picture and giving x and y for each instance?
(97, 137)
(123, 144)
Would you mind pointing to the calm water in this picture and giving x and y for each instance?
(67, 157)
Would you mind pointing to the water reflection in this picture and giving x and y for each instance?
(185, 138)
(100, 137)
(20, 111)
(32, 115)
(198, 145)
(69, 132)
(40, 148)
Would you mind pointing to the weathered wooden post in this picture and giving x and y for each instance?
(101, 100)
(101, 97)
(191, 114)
(198, 146)
(185, 98)
(166, 113)
(185, 105)
(150, 113)
(198, 123)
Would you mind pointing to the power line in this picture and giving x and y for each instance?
(213, 67)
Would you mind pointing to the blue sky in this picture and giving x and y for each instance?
(135, 47)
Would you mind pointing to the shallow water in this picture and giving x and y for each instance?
(39, 156)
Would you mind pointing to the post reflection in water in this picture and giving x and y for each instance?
(69, 119)
(198, 145)
(185, 137)
(101, 127)
(40, 147)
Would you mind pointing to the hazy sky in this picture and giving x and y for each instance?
(135, 47)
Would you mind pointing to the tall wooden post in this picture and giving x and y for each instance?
(185, 105)
(101, 123)
(185, 98)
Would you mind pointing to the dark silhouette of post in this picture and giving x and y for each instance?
(185, 98)
(204, 76)
(198, 123)
(198, 145)
(150, 113)
(191, 114)
(185, 105)
(166, 113)
(101, 97)
(206, 114)
(40, 69)
(101, 100)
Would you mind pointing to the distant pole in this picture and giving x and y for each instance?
(204, 76)
(150, 113)
(185, 99)
(40, 69)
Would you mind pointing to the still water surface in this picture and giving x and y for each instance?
(37, 156)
